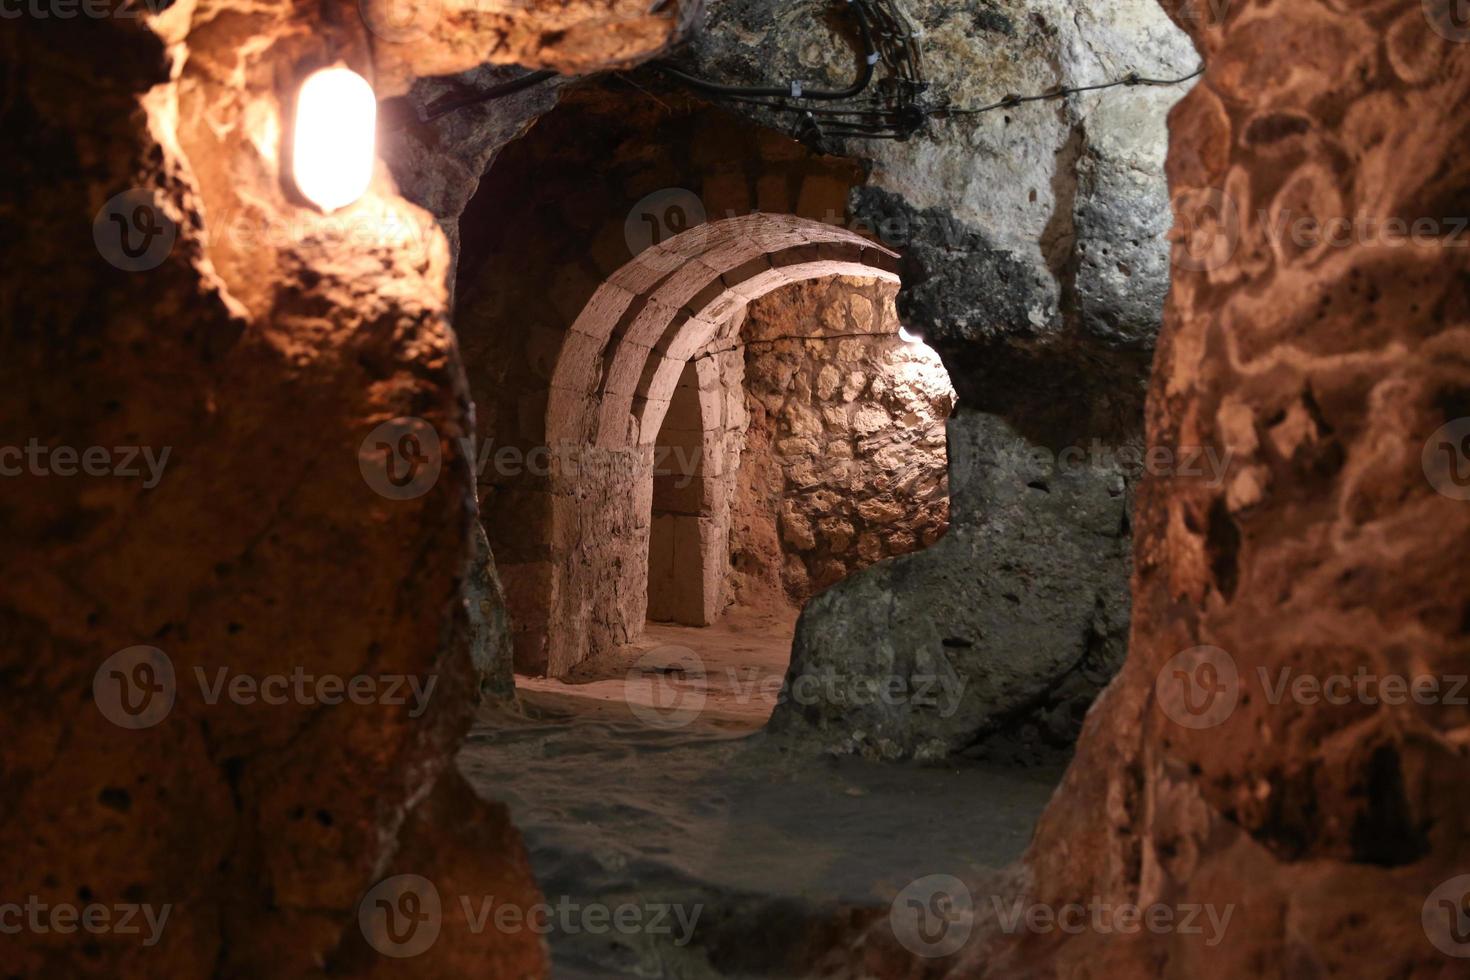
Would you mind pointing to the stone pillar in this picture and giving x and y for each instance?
(696, 461)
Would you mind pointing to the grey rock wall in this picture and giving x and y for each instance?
(489, 627)
(1008, 624)
(1035, 262)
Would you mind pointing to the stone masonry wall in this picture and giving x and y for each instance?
(845, 456)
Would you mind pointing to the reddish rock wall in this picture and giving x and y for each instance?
(259, 345)
(1334, 826)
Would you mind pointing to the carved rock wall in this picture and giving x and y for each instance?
(1314, 333)
(208, 316)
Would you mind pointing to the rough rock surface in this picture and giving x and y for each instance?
(489, 626)
(982, 628)
(1034, 262)
(765, 855)
(1304, 764)
(429, 52)
(439, 164)
(259, 344)
(852, 420)
(1050, 216)
(415, 39)
(1336, 544)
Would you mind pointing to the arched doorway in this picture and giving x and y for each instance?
(694, 465)
(617, 373)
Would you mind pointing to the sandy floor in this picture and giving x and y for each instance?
(646, 782)
(724, 677)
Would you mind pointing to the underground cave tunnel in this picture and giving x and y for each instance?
(884, 489)
(745, 432)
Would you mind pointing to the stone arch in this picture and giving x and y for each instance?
(614, 378)
(623, 356)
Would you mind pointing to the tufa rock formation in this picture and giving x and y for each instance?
(1327, 358)
(188, 304)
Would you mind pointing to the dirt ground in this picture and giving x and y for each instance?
(733, 670)
(645, 786)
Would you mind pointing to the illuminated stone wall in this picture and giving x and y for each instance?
(844, 460)
(164, 289)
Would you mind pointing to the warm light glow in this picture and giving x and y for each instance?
(335, 140)
(917, 365)
(908, 336)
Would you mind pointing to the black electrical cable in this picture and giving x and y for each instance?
(796, 91)
(887, 36)
(840, 129)
(1133, 78)
(446, 105)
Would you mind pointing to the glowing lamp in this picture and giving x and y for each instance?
(908, 336)
(334, 145)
